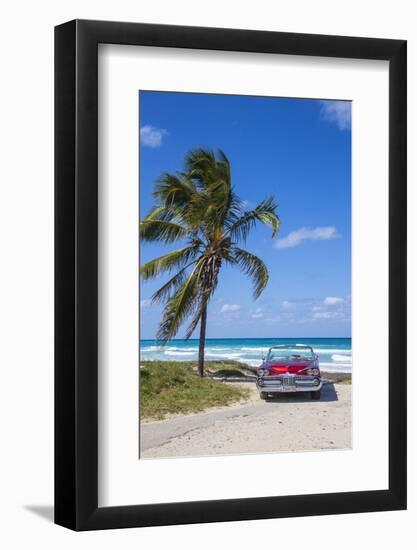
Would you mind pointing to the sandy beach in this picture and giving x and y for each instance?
(288, 423)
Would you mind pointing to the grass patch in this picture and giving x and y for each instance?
(175, 387)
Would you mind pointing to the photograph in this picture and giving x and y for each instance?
(245, 274)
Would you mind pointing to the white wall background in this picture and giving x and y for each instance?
(26, 273)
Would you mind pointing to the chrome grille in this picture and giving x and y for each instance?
(288, 381)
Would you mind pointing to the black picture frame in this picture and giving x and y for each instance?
(76, 272)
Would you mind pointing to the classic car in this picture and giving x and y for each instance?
(293, 368)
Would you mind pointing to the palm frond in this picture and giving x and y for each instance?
(197, 316)
(223, 166)
(265, 213)
(175, 259)
(179, 306)
(197, 208)
(252, 266)
(200, 165)
(161, 230)
(212, 174)
(210, 268)
(166, 290)
(168, 213)
(173, 190)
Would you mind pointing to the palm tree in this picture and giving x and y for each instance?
(200, 208)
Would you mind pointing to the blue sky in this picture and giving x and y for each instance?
(297, 150)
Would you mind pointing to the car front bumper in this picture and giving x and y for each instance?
(288, 383)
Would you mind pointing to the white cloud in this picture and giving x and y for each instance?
(332, 307)
(258, 313)
(145, 303)
(151, 136)
(325, 315)
(307, 234)
(287, 305)
(333, 301)
(338, 112)
(230, 308)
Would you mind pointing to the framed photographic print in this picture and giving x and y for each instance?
(230, 338)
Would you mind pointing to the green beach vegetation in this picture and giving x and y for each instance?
(199, 208)
(174, 387)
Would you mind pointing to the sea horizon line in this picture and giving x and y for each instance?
(259, 338)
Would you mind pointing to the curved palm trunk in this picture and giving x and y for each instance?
(202, 343)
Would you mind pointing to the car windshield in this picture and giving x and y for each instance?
(291, 353)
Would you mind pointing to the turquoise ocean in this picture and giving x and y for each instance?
(335, 354)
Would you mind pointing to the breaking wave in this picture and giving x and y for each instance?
(342, 358)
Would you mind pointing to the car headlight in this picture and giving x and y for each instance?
(262, 372)
(313, 372)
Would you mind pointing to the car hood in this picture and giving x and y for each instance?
(288, 366)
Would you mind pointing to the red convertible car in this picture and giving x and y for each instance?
(289, 369)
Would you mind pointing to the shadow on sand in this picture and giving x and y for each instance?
(328, 393)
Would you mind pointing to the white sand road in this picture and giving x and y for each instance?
(285, 423)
